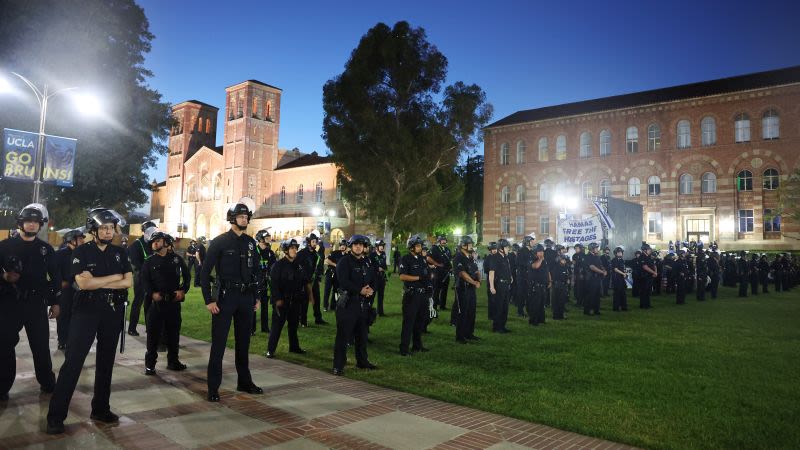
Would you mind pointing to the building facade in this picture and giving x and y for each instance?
(295, 192)
(706, 161)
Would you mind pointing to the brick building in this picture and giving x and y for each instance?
(705, 160)
(295, 192)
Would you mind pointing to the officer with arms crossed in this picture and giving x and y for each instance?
(166, 280)
(233, 257)
(356, 276)
(415, 278)
(291, 287)
(30, 282)
(72, 239)
(103, 274)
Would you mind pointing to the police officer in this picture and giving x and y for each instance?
(192, 259)
(550, 255)
(763, 272)
(636, 272)
(441, 258)
(30, 283)
(356, 276)
(103, 275)
(312, 257)
(331, 285)
(200, 256)
(648, 273)
(165, 279)
(713, 273)
(560, 275)
(594, 280)
(138, 253)
(468, 280)
(539, 282)
(417, 299)
(524, 260)
(743, 272)
(488, 265)
(579, 270)
(605, 260)
(753, 274)
(702, 275)
(379, 259)
(72, 239)
(681, 270)
(500, 286)
(618, 276)
(512, 260)
(233, 257)
(291, 288)
(266, 258)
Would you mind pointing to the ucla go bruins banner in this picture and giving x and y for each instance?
(19, 157)
(59, 160)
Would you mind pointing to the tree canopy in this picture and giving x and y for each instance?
(98, 46)
(396, 134)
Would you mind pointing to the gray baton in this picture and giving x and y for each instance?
(122, 332)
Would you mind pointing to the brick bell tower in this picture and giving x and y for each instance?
(252, 115)
(195, 126)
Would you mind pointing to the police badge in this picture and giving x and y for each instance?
(43, 250)
(117, 257)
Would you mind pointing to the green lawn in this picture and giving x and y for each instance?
(719, 374)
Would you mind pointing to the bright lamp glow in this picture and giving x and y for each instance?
(86, 104)
(316, 211)
(332, 213)
(458, 231)
(5, 86)
(571, 203)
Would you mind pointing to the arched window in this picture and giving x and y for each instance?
(632, 140)
(653, 137)
(544, 192)
(709, 128)
(686, 182)
(283, 195)
(605, 143)
(521, 193)
(561, 147)
(521, 152)
(586, 189)
(654, 186)
(208, 126)
(239, 106)
(605, 188)
(318, 192)
(505, 196)
(684, 134)
(634, 187)
(543, 149)
(217, 186)
(771, 125)
(191, 190)
(268, 111)
(299, 194)
(586, 145)
(708, 183)
(256, 112)
(744, 180)
(504, 154)
(205, 184)
(742, 126)
(771, 179)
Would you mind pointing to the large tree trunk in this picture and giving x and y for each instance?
(387, 236)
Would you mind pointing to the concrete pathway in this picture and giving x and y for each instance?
(302, 408)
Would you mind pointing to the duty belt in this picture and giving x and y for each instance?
(416, 290)
(504, 281)
(241, 287)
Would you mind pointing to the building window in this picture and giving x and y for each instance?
(745, 221)
(338, 191)
(586, 145)
(632, 140)
(318, 192)
(634, 187)
(742, 126)
(653, 186)
(217, 186)
(653, 138)
(504, 225)
(504, 154)
(686, 182)
(586, 189)
(684, 134)
(744, 180)
(299, 195)
(561, 147)
(709, 183)
(208, 126)
(544, 192)
(544, 225)
(283, 195)
(605, 188)
(521, 193)
(505, 195)
(654, 222)
(771, 179)
(239, 106)
(191, 190)
(709, 128)
(520, 225)
(605, 143)
(771, 223)
(521, 152)
(268, 111)
(543, 149)
(771, 125)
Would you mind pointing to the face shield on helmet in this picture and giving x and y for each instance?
(245, 206)
(103, 216)
(35, 212)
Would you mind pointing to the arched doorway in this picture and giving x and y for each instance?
(201, 228)
(215, 226)
(336, 235)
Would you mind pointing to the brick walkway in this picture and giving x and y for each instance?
(302, 409)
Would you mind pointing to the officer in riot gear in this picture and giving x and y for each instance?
(29, 283)
(681, 270)
(579, 270)
(232, 255)
(379, 259)
(647, 275)
(266, 259)
(524, 259)
(72, 239)
(103, 276)
(500, 278)
(618, 283)
(414, 275)
(138, 253)
(560, 275)
(440, 257)
(539, 282)
(594, 280)
(488, 263)
(331, 284)
(313, 256)
(291, 288)
(468, 280)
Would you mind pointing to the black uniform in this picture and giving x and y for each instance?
(645, 280)
(331, 283)
(289, 280)
(702, 277)
(64, 263)
(235, 261)
(560, 274)
(441, 255)
(396, 259)
(164, 275)
(713, 273)
(637, 274)
(681, 270)
(266, 259)
(191, 257)
(313, 262)
(753, 274)
(466, 300)
(488, 263)
(379, 260)
(763, 273)
(537, 291)
(24, 304)
(580, 271)
(619, 285)
(550, 256)
(524, 259)
(138, 253)
(743, 272)
(415, 301)
(353, 309)
(594, 285)
(605, 260)
(501, 265)
(96, 313)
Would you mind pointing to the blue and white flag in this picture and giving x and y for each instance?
(604, 217)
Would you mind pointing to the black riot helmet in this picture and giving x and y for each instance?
(492, 245)
(358, 239)
(35, 212)
(413, 241)
(201, 240)
(289, 243)
(645, 246)
(245, 205)
(515, 247)
(148, 224)
(502, 243)
(72, 235)
(262, 235)
(538, 248)
(548, 242)
(380, 243)
(441, 238)
(465, 240)
(593, 246)
(619, 249)
(169, 241)
(343, 243)
(102, 216)
(526, 241)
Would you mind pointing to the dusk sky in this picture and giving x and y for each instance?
(523, 54)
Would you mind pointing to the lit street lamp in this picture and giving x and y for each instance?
(565, 202)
